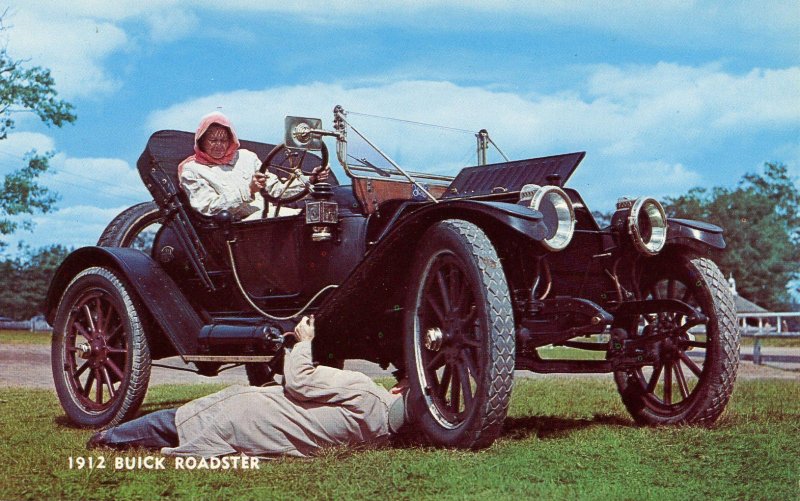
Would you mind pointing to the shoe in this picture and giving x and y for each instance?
(97, 440)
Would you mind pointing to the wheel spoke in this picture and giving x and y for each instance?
(671, 284)
(466, 389)
(455, 389)
(691, 365)
(668, 383)
(107, 379)
(117, 350)
(473, 315)
(89, 318)
(117, 372)
(444, 382)
(696, 344)
(651, 385)
(98, 384)
(101, 318)
(83, 332)
(435, 362)
(88, 384)
(466, 356)
(437, 310)
(681, 378)
(441, 281)
(80, 370)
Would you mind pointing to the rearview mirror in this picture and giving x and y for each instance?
(302, 133)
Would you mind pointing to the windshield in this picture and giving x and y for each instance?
(385, 147)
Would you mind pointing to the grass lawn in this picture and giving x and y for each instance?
(564, 439)
(24, 337)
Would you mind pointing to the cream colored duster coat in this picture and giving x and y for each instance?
(316, 407)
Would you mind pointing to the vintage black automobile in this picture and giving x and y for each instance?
(456, 281)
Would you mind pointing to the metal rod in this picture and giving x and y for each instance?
(394, 164)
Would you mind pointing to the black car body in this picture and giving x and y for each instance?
(457, 282)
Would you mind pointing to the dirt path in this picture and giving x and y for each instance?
(28, 366)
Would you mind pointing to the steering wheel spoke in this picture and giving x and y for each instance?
(283, 160)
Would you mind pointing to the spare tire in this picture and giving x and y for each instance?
(132, 227)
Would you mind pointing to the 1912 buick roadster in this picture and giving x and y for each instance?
(457, 281)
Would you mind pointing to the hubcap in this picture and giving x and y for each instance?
(433, 339)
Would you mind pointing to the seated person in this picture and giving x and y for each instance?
(220, 176)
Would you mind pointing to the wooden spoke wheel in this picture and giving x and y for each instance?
(692, 377)
(459, 337)
(100, 356)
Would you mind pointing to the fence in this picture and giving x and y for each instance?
(761, 326)
(35, 324)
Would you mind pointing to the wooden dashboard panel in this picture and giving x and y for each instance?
(372, 192)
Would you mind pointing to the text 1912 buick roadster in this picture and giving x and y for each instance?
(457, 281)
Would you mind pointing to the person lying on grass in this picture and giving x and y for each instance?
(316, 406)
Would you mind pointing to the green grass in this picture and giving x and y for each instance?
(24, 337)
(564, 439)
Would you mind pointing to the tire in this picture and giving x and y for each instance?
(459, 337)
(128, 228)
(704, 384)
(100, 357)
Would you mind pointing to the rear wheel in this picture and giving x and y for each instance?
(100, 356)
(692, 378)
(459, 337)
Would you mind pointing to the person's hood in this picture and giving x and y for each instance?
(207, 121)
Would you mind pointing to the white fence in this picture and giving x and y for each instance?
(769, 326)
(35, 324)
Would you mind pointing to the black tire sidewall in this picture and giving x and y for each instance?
(130, 393)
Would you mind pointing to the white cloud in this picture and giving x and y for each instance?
(102, 182)
(632, 120)
(17, 144)
(75, 226)
(74, 49)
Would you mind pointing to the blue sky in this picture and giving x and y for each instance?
(662, 96)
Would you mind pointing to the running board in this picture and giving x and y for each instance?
(229, 358)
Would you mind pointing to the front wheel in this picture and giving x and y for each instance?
(100, 356)
(692, 377)
(459, 337)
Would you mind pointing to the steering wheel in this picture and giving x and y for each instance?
(288, 161)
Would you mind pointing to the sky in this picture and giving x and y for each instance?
(662, 96)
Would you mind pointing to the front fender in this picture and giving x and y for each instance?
(522, 220)
(362, 318)
(156, 291)
(698, 235)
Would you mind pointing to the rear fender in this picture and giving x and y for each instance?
(155, 290)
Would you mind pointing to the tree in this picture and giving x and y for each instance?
(32, 90)
(24, 280)
(761, 218)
